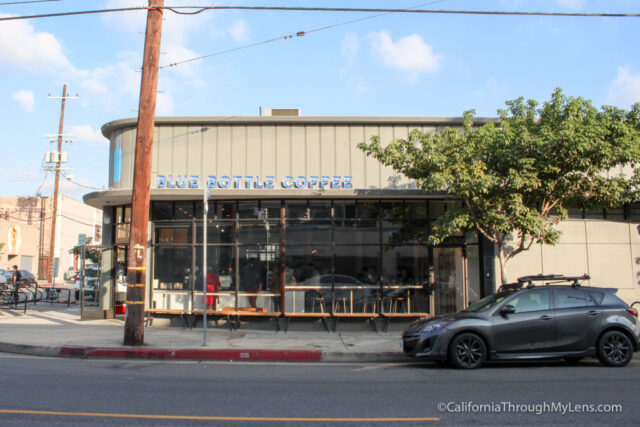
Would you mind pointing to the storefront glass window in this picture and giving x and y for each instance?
(301, 232)
(259, 232)
(416, 209)
(172, 268)
(220, 277)
(307, 267)
(217, 232)
(359, 232)
(395, 233)
(357, 278)
(342, 256)
(162, 210)
(183, 210)
(174, 233)
(344, 209)
(297, 209)
(249, 209)
(406, 280)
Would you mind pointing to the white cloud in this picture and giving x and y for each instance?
(239, 30)
(22, 47)
(625, 88)
(25, 99)
(86, 134)
(410, 54)
(164, 104)
(350, 46)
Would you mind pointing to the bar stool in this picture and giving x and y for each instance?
(320, 302)
(337, 302)
(374, 303)
(398, 303)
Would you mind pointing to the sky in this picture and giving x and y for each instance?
(389, 65)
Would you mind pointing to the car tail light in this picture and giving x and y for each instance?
(632, 311)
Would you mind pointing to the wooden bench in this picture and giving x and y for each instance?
(388, 316)
(184, 316)
(323, 316)
(371, 317)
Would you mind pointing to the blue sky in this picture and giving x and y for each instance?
(391, 65)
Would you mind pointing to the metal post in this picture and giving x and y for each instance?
(205, 214)
(138, 238)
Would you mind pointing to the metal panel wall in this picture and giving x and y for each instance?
(272, 149)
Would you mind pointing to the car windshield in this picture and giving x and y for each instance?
(487, 302)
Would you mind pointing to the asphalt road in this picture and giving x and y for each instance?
(53, 391)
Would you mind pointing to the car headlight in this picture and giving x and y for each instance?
(433, 326)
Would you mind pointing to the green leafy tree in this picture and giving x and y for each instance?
(516, 178)
(90, 253)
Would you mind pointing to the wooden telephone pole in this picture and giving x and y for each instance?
(137, 265)
(56, 188)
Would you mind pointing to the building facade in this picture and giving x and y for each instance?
(25, 230)
(299, 220)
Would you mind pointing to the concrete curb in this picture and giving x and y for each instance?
(245, 355)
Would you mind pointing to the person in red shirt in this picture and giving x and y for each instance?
(213, 285)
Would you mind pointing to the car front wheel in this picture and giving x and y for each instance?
(615, 349)
(467, 351)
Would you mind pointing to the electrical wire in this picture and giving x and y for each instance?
(201, 9)
(26, 2)
(288, 36)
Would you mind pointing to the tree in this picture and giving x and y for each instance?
(516, 178)
(90, 252)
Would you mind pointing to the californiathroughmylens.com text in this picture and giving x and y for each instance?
(252, 181)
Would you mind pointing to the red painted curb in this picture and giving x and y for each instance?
(195, 354)
(72, 351)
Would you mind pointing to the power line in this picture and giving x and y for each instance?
(200, 9)
(289, 36)
(26, 2)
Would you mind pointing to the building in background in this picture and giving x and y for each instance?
(295, 193)
(25, 231)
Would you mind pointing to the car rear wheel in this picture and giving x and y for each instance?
(467, 351)
(615, 349)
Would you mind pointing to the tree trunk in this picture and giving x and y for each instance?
(503, 265)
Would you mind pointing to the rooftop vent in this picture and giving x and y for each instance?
(279, 112)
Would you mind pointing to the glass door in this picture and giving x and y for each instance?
(449, 292)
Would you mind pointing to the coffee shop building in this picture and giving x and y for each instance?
(300, 222)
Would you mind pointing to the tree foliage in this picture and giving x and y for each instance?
(91, 253)
(517, 177)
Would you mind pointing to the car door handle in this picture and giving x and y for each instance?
(593, 313)
(545, 317)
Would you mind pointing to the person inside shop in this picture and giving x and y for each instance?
(252, 281)
(186, 279)
(213, 286)
(276, 288)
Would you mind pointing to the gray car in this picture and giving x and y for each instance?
(525, 321)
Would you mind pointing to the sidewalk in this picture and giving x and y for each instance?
(56, 330)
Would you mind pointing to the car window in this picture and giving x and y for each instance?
(596, 296)
(567, 298)
(487, 302)
(531, 300)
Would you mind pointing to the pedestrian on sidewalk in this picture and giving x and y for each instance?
(16, 277)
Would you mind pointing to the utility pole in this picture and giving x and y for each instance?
(138, 237)
(57, 159)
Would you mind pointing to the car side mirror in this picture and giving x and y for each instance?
(507, 309)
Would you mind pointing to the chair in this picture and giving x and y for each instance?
(340, 301)
(320, 302)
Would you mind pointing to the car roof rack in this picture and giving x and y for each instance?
(550, 279)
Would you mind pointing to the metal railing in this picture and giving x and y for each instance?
(23, 293)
